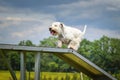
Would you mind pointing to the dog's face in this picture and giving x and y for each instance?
(56, 28)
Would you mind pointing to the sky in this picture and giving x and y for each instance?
(30, 19)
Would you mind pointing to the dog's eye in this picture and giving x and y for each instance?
(55, 25)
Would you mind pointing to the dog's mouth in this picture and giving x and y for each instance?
(53, 32)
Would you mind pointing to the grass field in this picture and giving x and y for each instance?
(5, 75)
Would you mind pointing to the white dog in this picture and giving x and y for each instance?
(67, 35)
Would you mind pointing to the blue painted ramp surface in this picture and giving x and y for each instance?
(68, 55)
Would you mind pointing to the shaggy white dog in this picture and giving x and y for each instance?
(67, 35)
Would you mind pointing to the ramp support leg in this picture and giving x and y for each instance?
(8, 65)
(37, 66)
(22, 66)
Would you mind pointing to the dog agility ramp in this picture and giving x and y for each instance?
(84, 65)
(68, 55)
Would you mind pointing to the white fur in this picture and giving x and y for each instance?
(67, 35)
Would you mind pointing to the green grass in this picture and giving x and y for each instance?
(5, 75)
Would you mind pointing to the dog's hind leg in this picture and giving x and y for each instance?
(74, 44)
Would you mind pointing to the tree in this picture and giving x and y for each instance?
(48, 42)
(53, 66)
(49, 62)
(26, 43)
(105, 53)
(29, 55)
(85, 48)
(14, 59)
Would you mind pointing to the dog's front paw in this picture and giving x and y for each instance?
(59, 44)
(72, 47)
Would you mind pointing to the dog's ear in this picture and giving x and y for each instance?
(62, 26)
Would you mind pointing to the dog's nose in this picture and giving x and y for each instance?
(50, 29)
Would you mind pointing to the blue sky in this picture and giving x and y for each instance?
(30, 19)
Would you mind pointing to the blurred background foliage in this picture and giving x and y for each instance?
(104, 52)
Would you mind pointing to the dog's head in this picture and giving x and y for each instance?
(56, 28)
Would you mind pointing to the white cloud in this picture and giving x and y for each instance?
(113, 5)
(31, 31)
(15, 26)
(96, 33)
(86, 9)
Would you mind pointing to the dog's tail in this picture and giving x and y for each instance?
(84, 29)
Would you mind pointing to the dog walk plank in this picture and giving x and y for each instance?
(68, 55)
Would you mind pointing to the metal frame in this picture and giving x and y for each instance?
(37, 66)
(22, 66)
(68, 55)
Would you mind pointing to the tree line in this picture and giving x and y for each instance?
(104, 52)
